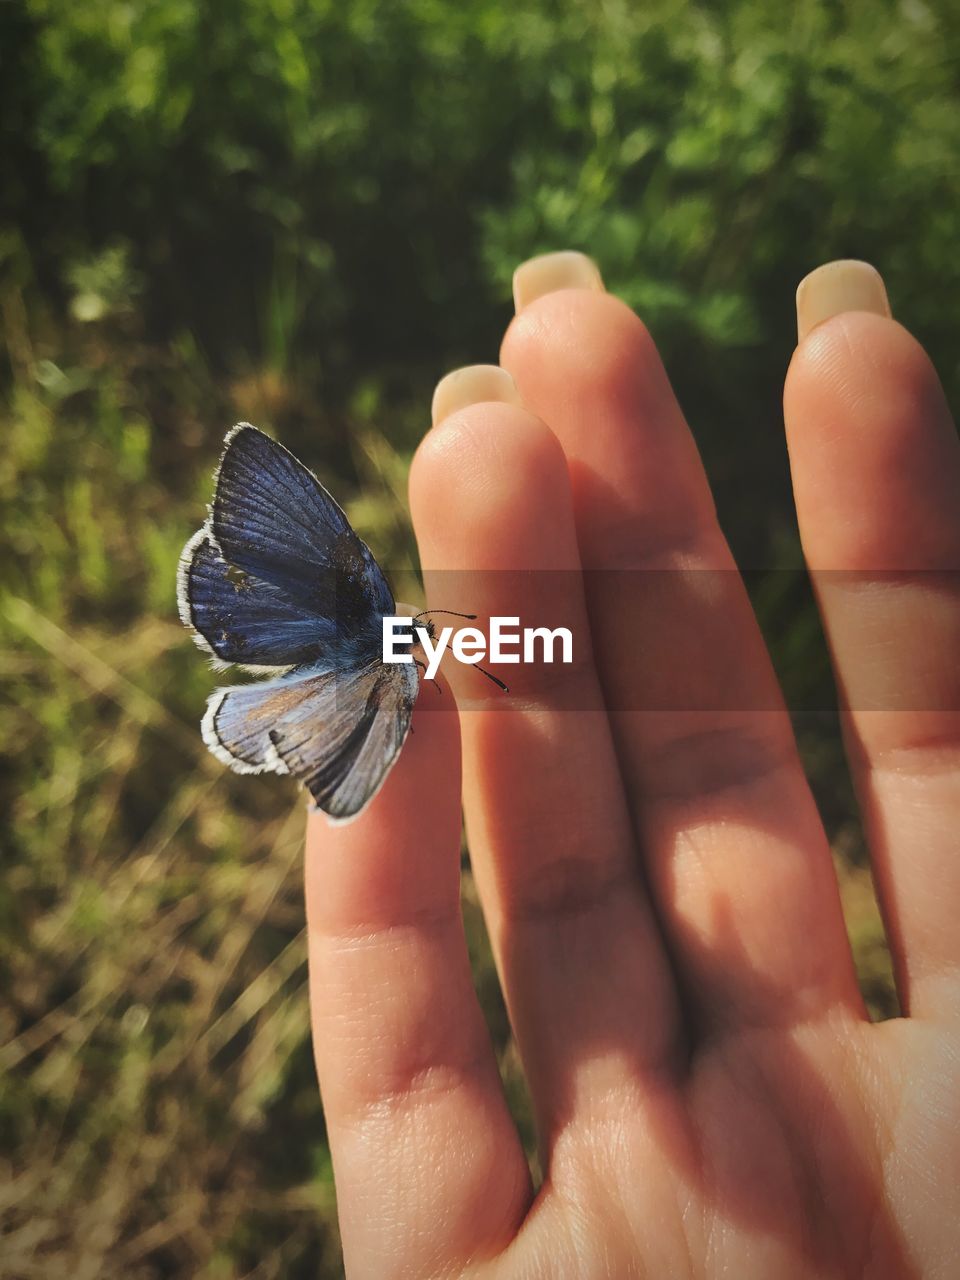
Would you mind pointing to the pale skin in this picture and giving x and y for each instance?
(711, 1098)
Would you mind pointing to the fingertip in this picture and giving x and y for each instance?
(873, 450)
(862, 364)
(589, 331)
(472, 471)
(444, 463)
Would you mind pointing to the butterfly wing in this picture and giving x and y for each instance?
(277, 578)
(343, 760)
(336, 732)
(238, 618)
(273, 519)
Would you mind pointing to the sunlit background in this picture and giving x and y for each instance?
(302, 213)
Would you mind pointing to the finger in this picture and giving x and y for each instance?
(586, 982)
(429, 1168)
(738, 862)
(876, 472)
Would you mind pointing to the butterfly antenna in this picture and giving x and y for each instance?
(452, 613)
(490, 676)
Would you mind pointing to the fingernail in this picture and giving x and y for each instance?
(836, 287)
(553, 271)
(472, 384)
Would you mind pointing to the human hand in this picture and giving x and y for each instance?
(710, 1096)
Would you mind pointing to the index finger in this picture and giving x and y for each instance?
(428, 1164)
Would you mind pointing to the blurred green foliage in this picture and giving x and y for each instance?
(302, 212)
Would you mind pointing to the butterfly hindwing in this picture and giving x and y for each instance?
(343, 756)
(336, 732)
(238, 719)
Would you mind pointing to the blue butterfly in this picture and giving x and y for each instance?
(278, 583)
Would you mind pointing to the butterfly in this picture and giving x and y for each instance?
(278, 583)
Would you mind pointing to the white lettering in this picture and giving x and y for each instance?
(469, 645)
(499, 636)
(434, 652)
(394, 635)
(532, 634)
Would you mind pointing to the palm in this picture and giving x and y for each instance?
(710, 1096)
(784, 1154)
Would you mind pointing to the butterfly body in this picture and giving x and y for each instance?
(277, 583)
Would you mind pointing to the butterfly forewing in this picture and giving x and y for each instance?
(245, 620)
(274, 519)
